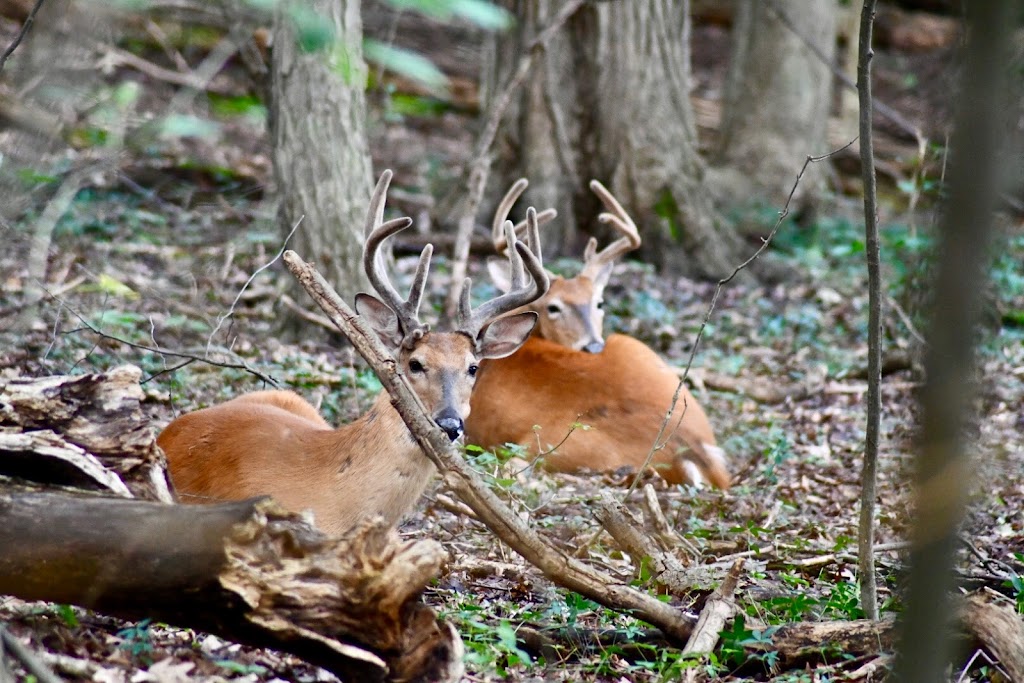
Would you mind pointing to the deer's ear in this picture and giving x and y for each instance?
(381, 318)
(504, 336)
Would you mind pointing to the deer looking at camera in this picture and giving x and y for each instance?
(583, 403)
(275, 443)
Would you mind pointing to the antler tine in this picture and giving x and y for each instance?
(407, 310)
(501, 215)
(620, 220)
(523, 289)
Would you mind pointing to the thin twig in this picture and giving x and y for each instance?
(242, 365)
(765, 241)
(231, 309)
(28, 659)
(21, 34)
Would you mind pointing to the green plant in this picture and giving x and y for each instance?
(137, 641)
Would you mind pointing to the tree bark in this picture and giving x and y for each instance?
(777, 100)
(869, 476)
(321, 153)
(247, 571)
(610, 100)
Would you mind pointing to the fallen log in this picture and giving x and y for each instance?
(247, 571)
(60, 428)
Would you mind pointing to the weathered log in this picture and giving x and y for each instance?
(719, 609)
(998, 628)
(65, 421)
(247, 571)
(803, 642)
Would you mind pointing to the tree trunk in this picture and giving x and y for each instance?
(609, 100)
(321, 153)
(777, 100)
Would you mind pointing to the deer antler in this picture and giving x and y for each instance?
(593, 260)
(501, 215)
(521, 292)
(407, 310)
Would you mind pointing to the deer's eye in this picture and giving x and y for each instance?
(416, 366)
(600, 304)
(472, 370)
(554, 309)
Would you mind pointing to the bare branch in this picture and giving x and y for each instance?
(21, 34)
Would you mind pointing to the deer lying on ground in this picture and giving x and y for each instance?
(275, 443)
(583, 403)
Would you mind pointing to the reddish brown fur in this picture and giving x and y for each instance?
(275, 443)
(622, 394)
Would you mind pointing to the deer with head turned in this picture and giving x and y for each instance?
(581, 402)
(275, 443)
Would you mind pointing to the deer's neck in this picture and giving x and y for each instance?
(377, 464)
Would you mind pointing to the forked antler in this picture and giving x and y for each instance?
(501, 215)
(522, 291)
(373, 262)
(595, 261)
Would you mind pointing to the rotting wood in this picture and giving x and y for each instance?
(719, 609)
(461, 479)
(82, 425)
(998, 628)
(247, 571)
(804, 642)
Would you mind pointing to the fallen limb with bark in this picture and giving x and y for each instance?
(247, 571)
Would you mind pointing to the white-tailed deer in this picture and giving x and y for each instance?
(580, 401)
(275, 443)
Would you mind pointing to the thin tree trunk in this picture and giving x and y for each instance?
(943, 467)
(321, 153)
(868, 477)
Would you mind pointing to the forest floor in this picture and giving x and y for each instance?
(165, 265)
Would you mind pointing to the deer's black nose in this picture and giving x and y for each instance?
(451, 424)
(596, 346)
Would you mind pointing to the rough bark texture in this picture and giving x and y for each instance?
(998, 627)
(87, 431)
(610, 101)
(247, 571)
(777, 100)
(321, 153)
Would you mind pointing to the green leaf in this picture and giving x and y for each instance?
(113, 287)
(313, 31)
(188, 126)
(406, 63)
(484, 14)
